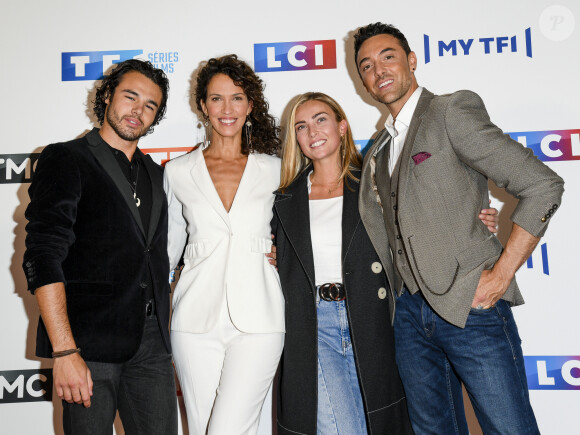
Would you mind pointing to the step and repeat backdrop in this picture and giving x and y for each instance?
(521, 56)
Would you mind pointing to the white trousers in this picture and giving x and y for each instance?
(225, 375)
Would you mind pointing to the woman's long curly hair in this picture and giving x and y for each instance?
(265, 131)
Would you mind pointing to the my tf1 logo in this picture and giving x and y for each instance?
(92, 65)
(488, 44)
(292, 56)
(25, 386)
(553, 372)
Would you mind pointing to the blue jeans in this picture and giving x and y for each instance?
(340, 406)
(434, 357)
(142, 389)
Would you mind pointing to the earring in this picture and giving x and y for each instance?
(249, 133)
(342, 146)
(205, 131)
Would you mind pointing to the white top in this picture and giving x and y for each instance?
(398, 129)
(326, 236)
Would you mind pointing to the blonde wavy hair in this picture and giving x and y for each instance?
(294, 161)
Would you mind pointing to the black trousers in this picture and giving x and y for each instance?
(142, 389)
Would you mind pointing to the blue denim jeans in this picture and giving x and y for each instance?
(340, 406)
(142, 389)
(434, 357)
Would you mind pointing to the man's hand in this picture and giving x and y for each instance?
(490, 289)
(494, 283)
(490, 217)
(72, 379)
(272, 255)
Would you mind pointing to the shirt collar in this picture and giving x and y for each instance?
(405, 115)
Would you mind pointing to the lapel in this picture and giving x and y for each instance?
(406, 162)
(367, 193)
(100, 150)
(202, 180)
(293, 211)
(350, 215)
(157, 194)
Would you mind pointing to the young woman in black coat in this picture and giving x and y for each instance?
(338, 371)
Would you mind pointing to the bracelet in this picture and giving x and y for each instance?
(66, 352)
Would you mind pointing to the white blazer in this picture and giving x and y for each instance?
(224, 257)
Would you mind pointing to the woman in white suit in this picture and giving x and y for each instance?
(227, 329)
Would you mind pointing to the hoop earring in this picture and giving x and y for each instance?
(249, 132)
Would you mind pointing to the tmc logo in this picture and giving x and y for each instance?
(92, 65)
(553, 372)
(545, 264)
(17, 168)
(25, 386)
(552, 145)
(292, 56)
(489, 45)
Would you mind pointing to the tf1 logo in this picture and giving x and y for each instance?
(92, 65)
(489, 45)
(553, 372)
(25, 386)
(292, 56)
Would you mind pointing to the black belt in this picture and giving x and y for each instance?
(333, 291)
(150, 308)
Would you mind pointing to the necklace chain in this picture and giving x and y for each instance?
(133, 185)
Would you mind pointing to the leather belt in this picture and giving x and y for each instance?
(332, 292)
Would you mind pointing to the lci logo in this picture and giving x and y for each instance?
(553, 372)
(548, 146)
(489, 45)
(293, 56)
(92, 65)
(551, 145)
(25, 386)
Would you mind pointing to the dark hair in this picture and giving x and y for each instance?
(375, 29)
(264, 131)
(110, 83)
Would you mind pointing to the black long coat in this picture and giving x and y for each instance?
(368, 314)
(85, 230)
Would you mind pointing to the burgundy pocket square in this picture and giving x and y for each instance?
(421, 157)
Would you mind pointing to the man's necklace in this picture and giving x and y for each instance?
(133, 185)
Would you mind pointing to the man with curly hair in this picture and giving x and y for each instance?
(96, 260)
(423, 183)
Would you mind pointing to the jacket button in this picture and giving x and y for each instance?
(143, 285)
(544, 219)
(400, 251)
(382, 293)
(377, 267)
(398, 236)
(393, 194)
(555, 206)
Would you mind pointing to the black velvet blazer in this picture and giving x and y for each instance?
(368, 314)
(85, 230)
